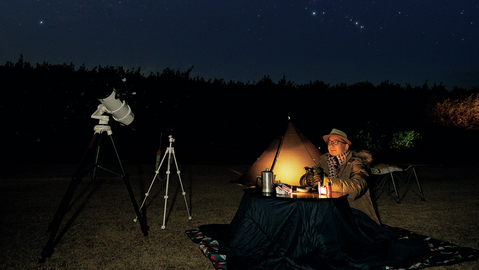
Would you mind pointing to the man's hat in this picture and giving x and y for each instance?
(339, 133)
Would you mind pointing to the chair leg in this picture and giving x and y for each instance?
(379, 186)
(398, 200)
(418, 185)
(382, 185)
(402, 181)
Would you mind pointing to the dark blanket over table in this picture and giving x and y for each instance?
(305, 234)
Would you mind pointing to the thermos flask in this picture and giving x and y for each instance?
(267, 181)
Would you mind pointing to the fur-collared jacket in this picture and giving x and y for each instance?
(352, 179)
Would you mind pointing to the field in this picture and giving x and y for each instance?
(99, 233)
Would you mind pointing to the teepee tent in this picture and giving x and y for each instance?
(286, 157)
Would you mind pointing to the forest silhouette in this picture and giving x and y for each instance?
(51, 104)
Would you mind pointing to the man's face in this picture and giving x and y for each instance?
(336, 149)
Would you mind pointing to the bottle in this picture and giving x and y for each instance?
(267, 181)
(329, 191)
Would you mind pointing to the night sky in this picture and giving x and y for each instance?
(337, 41)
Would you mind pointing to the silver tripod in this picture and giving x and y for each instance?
(169, 151)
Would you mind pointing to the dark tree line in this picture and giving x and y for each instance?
(42, 102)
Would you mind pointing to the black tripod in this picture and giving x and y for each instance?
(101, 131)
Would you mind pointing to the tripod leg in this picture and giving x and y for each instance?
(144, 227)
(169, 151)
(97, 155)
(167, 184)
(76, 179)
(54, 225)
(60, 214)
(181, 184)
(151, 184)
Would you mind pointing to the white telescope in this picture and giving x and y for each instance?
(119, 110)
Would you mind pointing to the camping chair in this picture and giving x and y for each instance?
(399, 179)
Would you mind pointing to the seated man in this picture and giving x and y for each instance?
(347, 172)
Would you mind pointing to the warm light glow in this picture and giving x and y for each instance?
(286, 158)
(292, 158)
(289, 167)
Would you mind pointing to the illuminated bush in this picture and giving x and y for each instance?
(459, 112)
(379, 140)
(404, 139)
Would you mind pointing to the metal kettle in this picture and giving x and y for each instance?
(267, 185)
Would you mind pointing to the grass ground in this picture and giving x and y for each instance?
(100, 232)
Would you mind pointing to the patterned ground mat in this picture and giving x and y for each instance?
(441, 253)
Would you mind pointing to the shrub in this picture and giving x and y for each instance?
(404, 139)
(385, 140)
(459, 112)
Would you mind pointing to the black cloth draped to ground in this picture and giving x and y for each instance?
(306, 234)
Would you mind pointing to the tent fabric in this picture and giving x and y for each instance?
(286, 156)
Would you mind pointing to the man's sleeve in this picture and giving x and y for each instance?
(356, 185)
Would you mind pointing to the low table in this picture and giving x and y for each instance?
(271, 227)
(295, 195)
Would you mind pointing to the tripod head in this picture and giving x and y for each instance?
(103, 120)
(102, 128)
